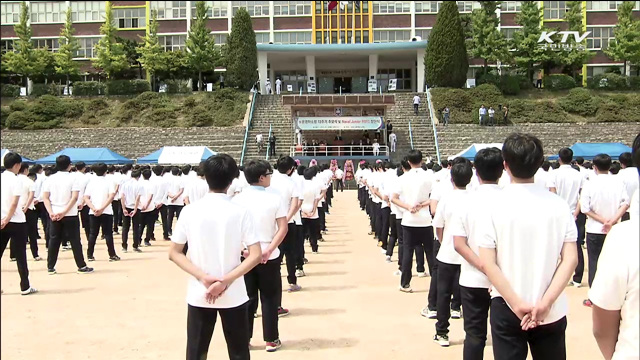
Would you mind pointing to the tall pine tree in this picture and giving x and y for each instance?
(241, 53)
(626, 46)
(446, 60)
(203, 54)
(152, 56)
(68, 46)
(528, 53)
(577, 54)
(487, 42)
(111, 58)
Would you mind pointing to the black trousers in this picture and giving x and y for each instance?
(311, 228)
(45, 220)
(148, 222)
(323, 220)
(16, 233)
(202, 321)
(594, 248)
(448, 283)
(164, 217)
(377, 220)
(272, 149)
(547, 342)
(339, 185)
(299, 247)
(105, 222)
(174, 210)
(580, 223)
(413, 237)
(288, 249)
(385, 219)
(264, 278)
(137, 229)
(116, 205)
(84, 218)
(393, 235)
(415, 108)
(432, 298)
(362, 197)
(67, 228)
(32, 231)
(475, 304)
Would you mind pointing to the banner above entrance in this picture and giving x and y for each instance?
(340, 123)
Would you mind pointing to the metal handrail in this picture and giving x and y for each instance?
(347, 150)
(246, 132)
(411, 134)
(433, 123)
(268, 143)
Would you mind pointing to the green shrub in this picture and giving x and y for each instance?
(558, 82)
(524, 82)
(611, 110)
(18, 105)
(199, 118)
(74, 108)
(95, 105)
(164, 117)
(127, 87)
(608, 81)
(4, 114)
(189, 102)
(9, 90)
(634, 82)
(88, 88)
(18, 120)
(38, 90)
(178, 86)
(510, 85)
(488, 78)
(579, 101)
(48, 107)
(457, 99)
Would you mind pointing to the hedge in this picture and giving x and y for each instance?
(608, 81)
(508, 84)
(558, 82)
(634, 82)
(88, 88)
(9, 90)
(4, 114)
(579, 101)
(127, 87)
(178, 86)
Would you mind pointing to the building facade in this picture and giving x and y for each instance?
(307, 24)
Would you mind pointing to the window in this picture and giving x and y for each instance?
(510, 6)
(255, 8)
(597, 70)
(10, 13)
(391, 7)
(87, 11)
(216, 9)
(85, 47)
(599, 37)
(423, 33)
(220, 39)
(172, 42)
(432, 7)
(130, 18)
(49, 44)
(6, 46)
(297, 79)
(291, 8)
(509, 32)
(467, 6)
(292, 38)
(607, 5)
(385, 36)
(403, 77)
(170, 9)
(47, 12)
(554, 10)
(262, 38)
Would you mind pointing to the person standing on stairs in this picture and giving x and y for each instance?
(389, 130)
(278, 86)
(272, 144)
(259, 142)
(393, 140)
(267, 86)
(416, 104)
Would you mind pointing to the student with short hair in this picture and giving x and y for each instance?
(98, 197)
(474, 284)
(448, 259)
(399, 213)
(216, 231)
(311, 193)
(270, 216)
(83, 211)
(529, 255)
(14, 227)
(629, 174)
(60, 194)
(175, 196)
(130, 194)
(27, 207)
(146, 206)
(196, 188)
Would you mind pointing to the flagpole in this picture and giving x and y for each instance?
(338, 18)
(353, 24)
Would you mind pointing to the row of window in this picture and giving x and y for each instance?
(346, 37)
(430, 7)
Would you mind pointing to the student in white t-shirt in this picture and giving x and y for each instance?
(130, 194)
(298, 180)
(529, 254)
(14, 223)
(629, 175)
(474, 284)
(28, 208)
(604, 200)
(398, 213)
(393, 141)
(383, 212)
(270, 216)
(311, 194)
(98, 196)
(338, 181)
(146, 206)
(389, 181)
(615, 291)
(175, 200)
(216, 230)
(196, 188)
(83, 176)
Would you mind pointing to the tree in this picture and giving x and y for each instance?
(626, 45)
(64, 63)
(241, 52)
(111, 58)
(576, 54)
(132, 55)
(528, 52)
(152, 56)
(203, 54)
(487, 42)
(25, 61)
(446, 60)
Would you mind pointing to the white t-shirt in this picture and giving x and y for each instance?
(216, 230)
(603, 194)
(311, 191)
(28, 186)
(466, 223)
(196, 189)
(160, 187)
(38, 188)
(528, 240)
(259, 138)
(339, 174)
(415, 187)
(451, 203)
(265, 208)
(416, 99)
(147, 191)
(631, 180)
(60, 187)
(83, 180)
(393, 138)
(634, 206)
(376, 146)
(541, 178)
(98, 190)
(286, 189)
(491, 112)
(391, 187)
(129, 191)
(616, 284)
(10, 187)
(567, 182)
(175, 184)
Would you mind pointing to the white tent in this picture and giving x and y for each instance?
(178, 155)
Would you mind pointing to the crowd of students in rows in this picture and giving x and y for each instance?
(500, 233)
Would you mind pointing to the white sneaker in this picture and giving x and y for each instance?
(397, 273)
(300, 273)
(405, 290)
(456, 314)
(422, 274)
(442, 340)
(384, 251)
(29, 291)
(430, 314)
(388, 259)
(576, 284)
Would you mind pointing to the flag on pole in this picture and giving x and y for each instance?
(357, 3)
(332, 5)
(343, 4)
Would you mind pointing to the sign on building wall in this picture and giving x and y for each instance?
(311, 86)
(392, 84)
(372, 85)
(340, 123)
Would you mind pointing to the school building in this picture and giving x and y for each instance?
(301, 41)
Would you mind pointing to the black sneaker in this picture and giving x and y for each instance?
(146, 243)
(85, 270)
(305, 261)
(124, 250)
(114, 258)
(91, 258)
(138, 250)
(442, 340)
(51, 271)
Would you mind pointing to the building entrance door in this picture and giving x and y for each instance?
(342, 82)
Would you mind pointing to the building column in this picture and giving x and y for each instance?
(262, 70)
(189, 16)
(413, 20)
(271, 27)
(373, 66)
(420, 70)
(311, 67)
(229, 16)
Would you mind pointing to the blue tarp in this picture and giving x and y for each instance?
(470, 152)
(589, 150)
(24, 159)
(178, 155)
(88, 156)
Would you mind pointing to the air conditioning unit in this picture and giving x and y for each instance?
(417, 38)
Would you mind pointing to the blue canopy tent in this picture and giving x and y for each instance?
(178, 155)
(88, 156)
(470, 152)
(589, 150)
(24, 159)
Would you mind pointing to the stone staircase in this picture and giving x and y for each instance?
(270, 111)
(400, 114)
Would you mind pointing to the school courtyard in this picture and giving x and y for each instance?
(350, 307)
